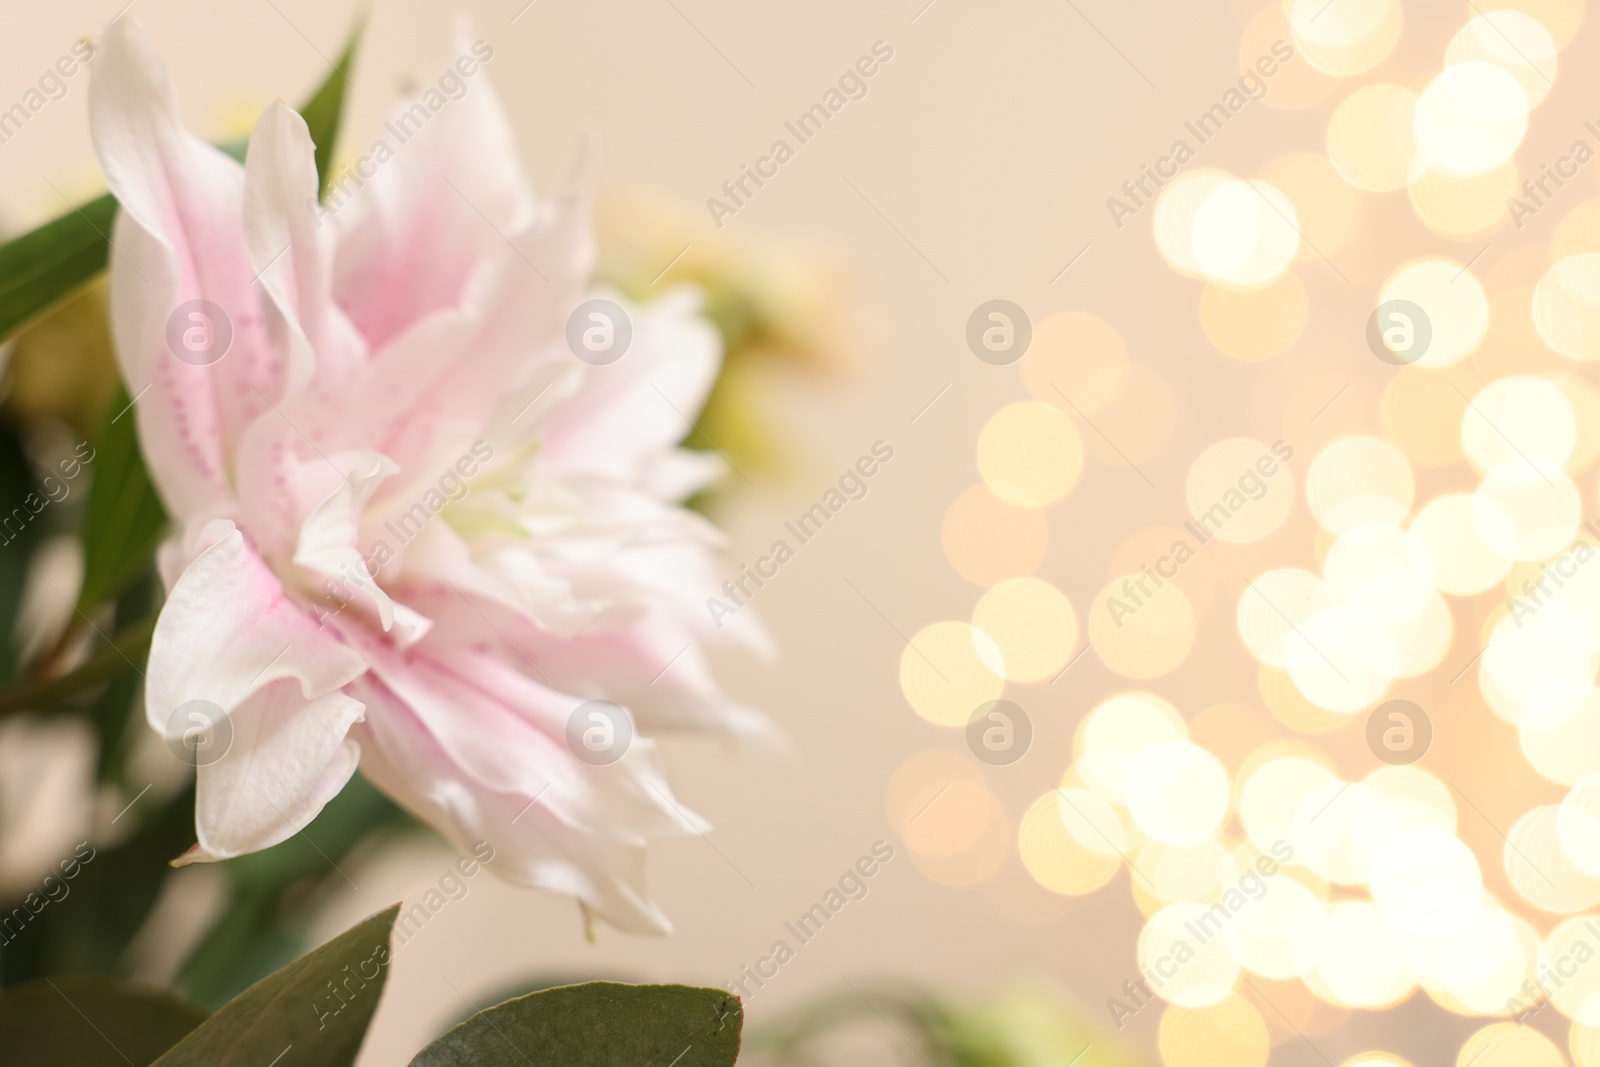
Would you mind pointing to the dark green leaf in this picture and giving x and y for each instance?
(79, 1020)
(319, 1006)
(113, 714)
(263, 926)
(124, 519)
(325, 109)
(61, 692)
(17, 480)
(534, 984)
(44, 266)
(598, 1024)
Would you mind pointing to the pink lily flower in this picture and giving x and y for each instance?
(412, 531)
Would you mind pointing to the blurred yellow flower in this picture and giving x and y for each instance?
(1028, 1024)
(779, 308)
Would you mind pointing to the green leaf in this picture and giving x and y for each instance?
(598, 1024)
(79, 1020)
(17, 480)
(44, 266)
(263, 926)
(61, 692)
(326, 107)
(320, 1006)
(113, 714)
(124, 519)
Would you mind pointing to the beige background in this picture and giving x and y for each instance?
(990, 142)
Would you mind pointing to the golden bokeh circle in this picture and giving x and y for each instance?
(1362, 961)
(1177, 206)
(1464, 207)
(1421, 411)
(1030, 454)
(1583, 1042)
(1560, 17)
(988, 540)
(1240, 490)
(1177, 792)
(1055, 858)
(952, 825)
(1356, 480)
(1566, 306)
(1294, 85)
(1452, 298)
(1460, 542)
(1115, 733)
(1513, 40)
(1359, 37)
(1471, 117)
(1291, 707)
(1370, 140)
(948, 670)
(1229, 1033)
(1245, 233)
(1578, 231)
(1255, 324)
(1075, 361)
(1032, 624)
(1509, 1044)
(1141, 629)
(1181, 968)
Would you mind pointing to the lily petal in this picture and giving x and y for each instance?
(228, 630)
(177, 240)
(633, 411)
(329, 538)
(532, 845)
(287, 758)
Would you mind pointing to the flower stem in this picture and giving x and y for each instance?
(55, 694)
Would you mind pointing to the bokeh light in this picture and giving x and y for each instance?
(1471, 117)
(988, 540)
(1371, 141)
(1031, 624)
(948, 670)
(1030, 454)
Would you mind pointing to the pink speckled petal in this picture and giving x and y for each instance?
(178, 239)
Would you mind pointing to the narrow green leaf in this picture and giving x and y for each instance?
(598, 1024)
(324, 111)
(46, 265)
(113, 714)
(123, 520)
(320, 1006)
(80, 1020)
(60, 693)
(17, 481)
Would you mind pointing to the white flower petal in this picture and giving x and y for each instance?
(288, 756)
(227, 630)
(328, 543)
